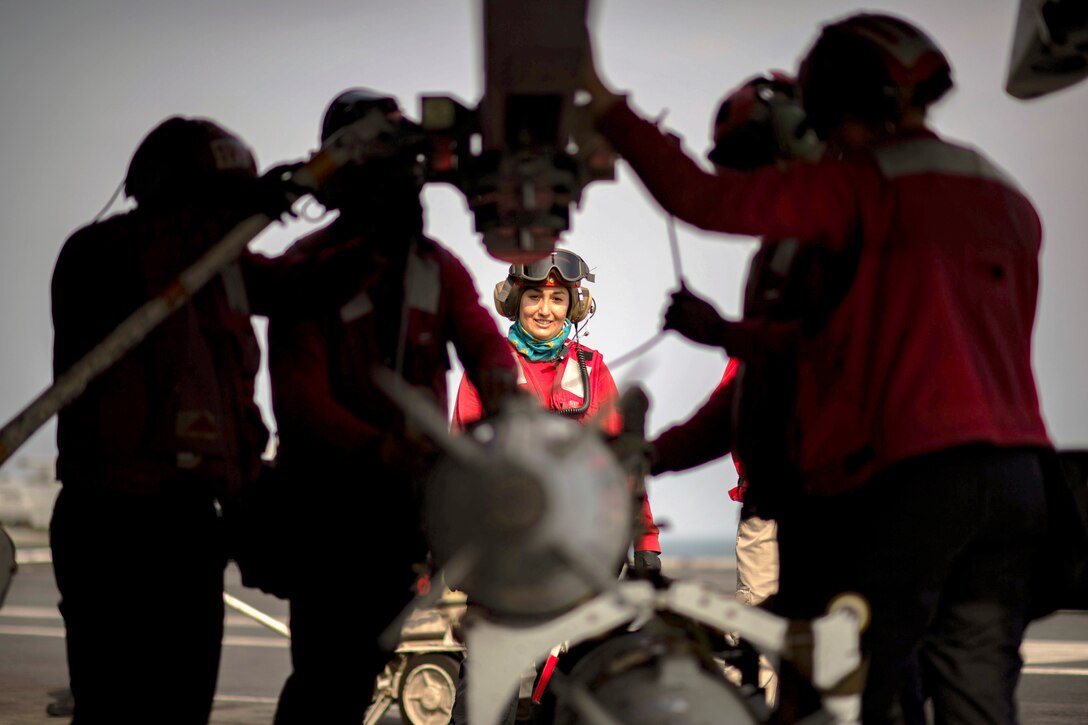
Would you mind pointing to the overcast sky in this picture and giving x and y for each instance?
(81, 82)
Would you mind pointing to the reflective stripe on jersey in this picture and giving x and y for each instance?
(235, 287)
(572, 377)
(422, 283)
(930, 155)
(356, 307)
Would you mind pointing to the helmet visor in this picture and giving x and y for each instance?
(569, 266)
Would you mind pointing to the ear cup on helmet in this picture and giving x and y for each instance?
(793, 138)
(506, 299)
(581, 304)
(761, 122)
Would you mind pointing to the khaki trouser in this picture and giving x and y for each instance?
(757, 560)
(757, 578)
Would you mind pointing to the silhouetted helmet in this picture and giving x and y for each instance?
(871, 67)
(390, 180)
(761, 122)
(352, 105)
(184, 158)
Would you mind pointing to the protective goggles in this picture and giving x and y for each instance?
(569, 266)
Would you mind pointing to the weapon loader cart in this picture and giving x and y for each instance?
(421, 678)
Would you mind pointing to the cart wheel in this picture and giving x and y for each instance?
(856, 604)
(428, 689)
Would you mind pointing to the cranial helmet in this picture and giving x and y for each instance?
(871, 67)
(561, 268)
(354, 104)
(186, 157)
(761, 122)
(387, 185)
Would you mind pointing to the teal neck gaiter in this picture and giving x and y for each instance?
(538, 350)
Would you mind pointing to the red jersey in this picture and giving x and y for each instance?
(558, 384)
(324, 396)
(180, 404)
(931, 347)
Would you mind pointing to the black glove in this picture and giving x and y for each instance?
(407, 450)
(646, 562)
(273, 193)
(635, 454)
(694, 318)
(494, 387)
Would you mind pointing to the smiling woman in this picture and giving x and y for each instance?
(543, 312)
(125, 64)
(547, 304)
